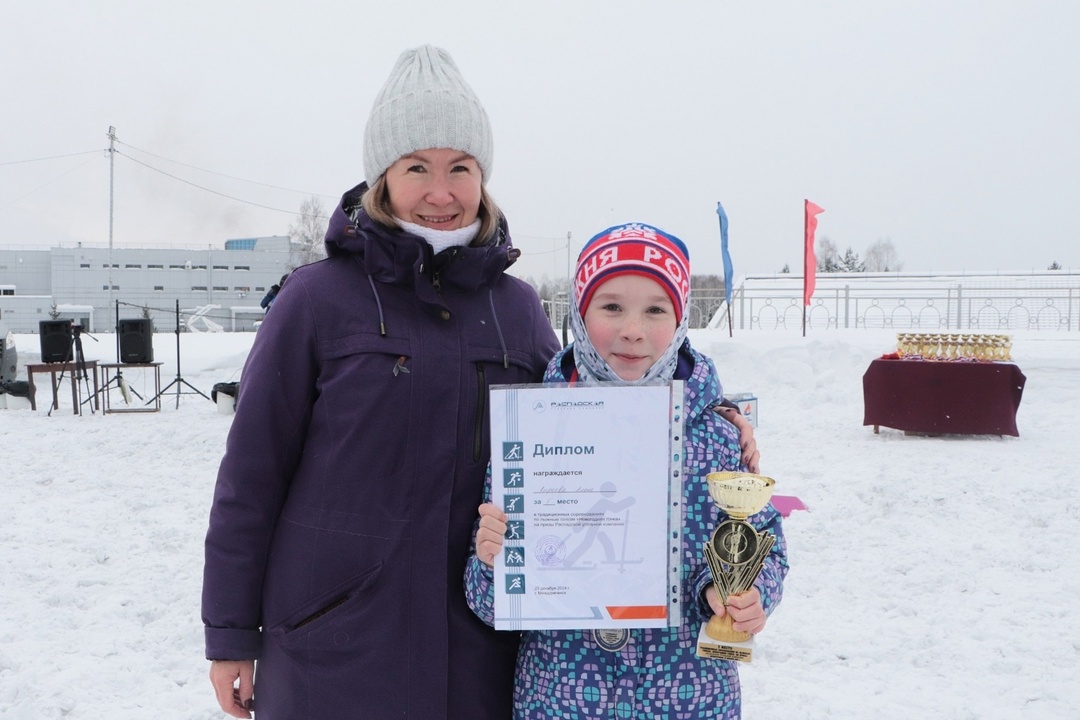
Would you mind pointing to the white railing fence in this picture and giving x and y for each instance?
(986, 303)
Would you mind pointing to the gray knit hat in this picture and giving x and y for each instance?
(425, 104)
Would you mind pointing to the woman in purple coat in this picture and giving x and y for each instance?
(344, 504)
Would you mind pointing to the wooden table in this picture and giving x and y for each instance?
(112, 372)
(62, 369)
(943, 397)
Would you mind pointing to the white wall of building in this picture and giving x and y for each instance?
(153, 278)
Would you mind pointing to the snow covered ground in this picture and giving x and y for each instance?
(932, 577)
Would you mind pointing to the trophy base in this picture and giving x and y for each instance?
(722, 629)
(708, 647)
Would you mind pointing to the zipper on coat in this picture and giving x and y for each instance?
(481, 405)
(315, 616)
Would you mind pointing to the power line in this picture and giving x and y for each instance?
(204, 189)
(52, 157)
(217, 192)
(538, 237)
(230, 177)
(49, 182)
(532, 253)
(187, 313)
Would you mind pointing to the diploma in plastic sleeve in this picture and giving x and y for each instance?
(590, 479)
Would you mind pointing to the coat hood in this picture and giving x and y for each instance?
(394, 255)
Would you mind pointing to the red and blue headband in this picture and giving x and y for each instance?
(636, 249)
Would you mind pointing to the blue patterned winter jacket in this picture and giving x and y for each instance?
(657, 673)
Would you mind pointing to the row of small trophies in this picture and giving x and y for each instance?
(955, 346)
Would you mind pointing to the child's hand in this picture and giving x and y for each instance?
(489, 536)
(745, 609)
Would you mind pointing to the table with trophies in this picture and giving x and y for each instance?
(945, 383)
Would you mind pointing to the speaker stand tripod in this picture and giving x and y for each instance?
(117, 380)
(75, 352)
(179, 381)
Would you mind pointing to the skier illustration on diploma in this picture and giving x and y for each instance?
(598, 531)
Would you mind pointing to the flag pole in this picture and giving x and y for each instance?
(729, 271)
(806, 262)
(811, 211)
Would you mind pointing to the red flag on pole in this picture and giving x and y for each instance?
(809, 260)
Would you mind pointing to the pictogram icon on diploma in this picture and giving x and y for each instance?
(514, 556)
(513, 451)
(513, 504)
(515, 584)
(513, 478)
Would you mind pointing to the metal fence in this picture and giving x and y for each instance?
(908, 302)
(704, 305)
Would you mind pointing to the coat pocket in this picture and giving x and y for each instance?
(342, 645)
(366, 395)
(323, 620)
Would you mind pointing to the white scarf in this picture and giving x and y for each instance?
(439, 240)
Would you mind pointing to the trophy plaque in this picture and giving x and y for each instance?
(736, 553)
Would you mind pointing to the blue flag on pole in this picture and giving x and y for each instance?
(728, 271)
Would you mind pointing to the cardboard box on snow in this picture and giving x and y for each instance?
(747, 403)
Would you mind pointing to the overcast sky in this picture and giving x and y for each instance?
(948, 127)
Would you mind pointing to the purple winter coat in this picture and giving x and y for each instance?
(352, 474)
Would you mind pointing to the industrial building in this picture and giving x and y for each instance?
(96, 286)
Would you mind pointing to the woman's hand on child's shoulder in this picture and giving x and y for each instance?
(489, 536)
(750, 455)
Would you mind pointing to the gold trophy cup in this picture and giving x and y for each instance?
(736, 553)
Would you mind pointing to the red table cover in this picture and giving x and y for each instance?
(938, 397)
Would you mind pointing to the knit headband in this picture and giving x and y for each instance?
(635, 249)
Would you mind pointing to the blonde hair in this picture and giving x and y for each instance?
(376, 203)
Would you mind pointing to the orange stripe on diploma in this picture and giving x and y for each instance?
(637, 612)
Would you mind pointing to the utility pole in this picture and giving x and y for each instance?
(569, 266)
(112, 155)
(569, 283)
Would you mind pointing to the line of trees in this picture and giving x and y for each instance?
(880, 257)
(548, 289)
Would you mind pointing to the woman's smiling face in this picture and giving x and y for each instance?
(438, 188)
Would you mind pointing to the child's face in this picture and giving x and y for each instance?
(631, 322)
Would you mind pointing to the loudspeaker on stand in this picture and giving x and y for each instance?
(136, 340)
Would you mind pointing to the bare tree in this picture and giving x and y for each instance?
(309, 231)
(828, 257)
(1054, 266)
(881, 257)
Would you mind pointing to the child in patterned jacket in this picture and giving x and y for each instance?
(629, 322)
